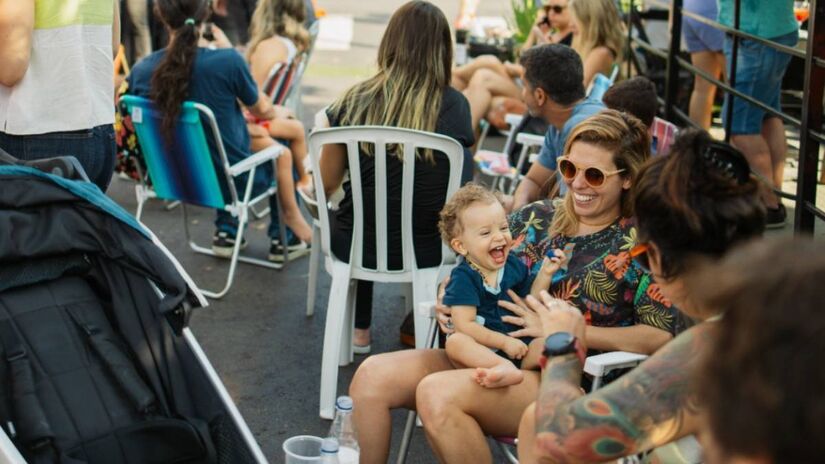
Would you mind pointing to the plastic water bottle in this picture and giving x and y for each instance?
(329, 451)
(343, 430)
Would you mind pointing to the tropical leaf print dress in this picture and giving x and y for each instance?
(600, 279)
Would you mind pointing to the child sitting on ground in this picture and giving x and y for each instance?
(474, 224)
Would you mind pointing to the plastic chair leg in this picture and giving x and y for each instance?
(346, 353)
(425, 285)
(314, 264)
(333, 331)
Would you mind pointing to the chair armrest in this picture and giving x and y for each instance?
(426, 309)
(601, 364)
(267, 154)
(513, 120)
(530, 139)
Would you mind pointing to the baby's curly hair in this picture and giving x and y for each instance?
(449, 223)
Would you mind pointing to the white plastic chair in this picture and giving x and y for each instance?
(340, 308)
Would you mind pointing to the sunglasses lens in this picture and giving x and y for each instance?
(594, 177)
(555, 9)
(567, 169)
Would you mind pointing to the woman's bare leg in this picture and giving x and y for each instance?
(463, 74)
(485, 85)
(384, 382)
(293, 131)
(457, 413)
(286, 184)
(701, 99)
(527, 436)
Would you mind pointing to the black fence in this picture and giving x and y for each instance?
(675, 66)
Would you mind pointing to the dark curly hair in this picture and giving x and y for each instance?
(700, 199)
(636, 96)
(556, 69)
(761, 379)
(170, 81)
(449, 222)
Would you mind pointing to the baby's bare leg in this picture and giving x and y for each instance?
(492, 370)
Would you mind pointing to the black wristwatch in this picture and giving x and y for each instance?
(559, 343)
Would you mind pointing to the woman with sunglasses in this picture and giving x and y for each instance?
(691, 207)
(595, 230)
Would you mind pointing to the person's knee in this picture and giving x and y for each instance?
(483, 78)
(285, 160)
(368, 383)
(433, 402)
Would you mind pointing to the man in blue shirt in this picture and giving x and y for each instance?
(554, 91)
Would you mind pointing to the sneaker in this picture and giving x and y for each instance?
(775, 219)
(295, 249)
(223, 243)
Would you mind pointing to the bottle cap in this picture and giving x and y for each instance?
(344, 403)
(329, 445)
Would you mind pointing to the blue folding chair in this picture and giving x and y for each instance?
(183, 169)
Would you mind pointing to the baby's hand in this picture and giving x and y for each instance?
(551, 265)
(515, 348)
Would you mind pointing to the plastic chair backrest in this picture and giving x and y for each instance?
(380, 137)
(183, 169)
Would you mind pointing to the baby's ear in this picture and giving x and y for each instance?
(458, 246)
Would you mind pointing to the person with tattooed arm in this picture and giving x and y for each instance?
(691, 207)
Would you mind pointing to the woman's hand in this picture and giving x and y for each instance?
(443, 312)
(219, 39)
(524, 317)
(558, 316)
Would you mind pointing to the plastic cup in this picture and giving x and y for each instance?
(303, 449)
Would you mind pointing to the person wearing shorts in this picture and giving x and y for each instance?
(759, 71)
(704, 43)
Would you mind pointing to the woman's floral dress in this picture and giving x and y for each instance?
(600, 277)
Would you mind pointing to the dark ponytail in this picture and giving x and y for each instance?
(170, 81)
(699, 199)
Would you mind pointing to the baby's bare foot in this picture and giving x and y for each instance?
(503, 375)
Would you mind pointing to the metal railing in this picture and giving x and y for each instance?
(809, 125)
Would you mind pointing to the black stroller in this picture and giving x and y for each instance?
(97, 364)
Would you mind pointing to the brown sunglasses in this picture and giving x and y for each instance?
(593, 176)
(554, 8)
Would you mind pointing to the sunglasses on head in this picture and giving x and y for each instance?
(593, 176)
(639, 253)
(727, 161)
(554, 8)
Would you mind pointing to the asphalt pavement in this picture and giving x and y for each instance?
(259, 340)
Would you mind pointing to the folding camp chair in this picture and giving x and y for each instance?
(341, 305)
(184, 170)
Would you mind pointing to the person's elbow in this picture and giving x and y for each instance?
(13, 70)
(551, 448)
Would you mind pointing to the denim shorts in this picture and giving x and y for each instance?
(700, 37)
(94, 148)
(759, 72)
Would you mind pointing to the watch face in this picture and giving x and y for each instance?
(559, 343)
